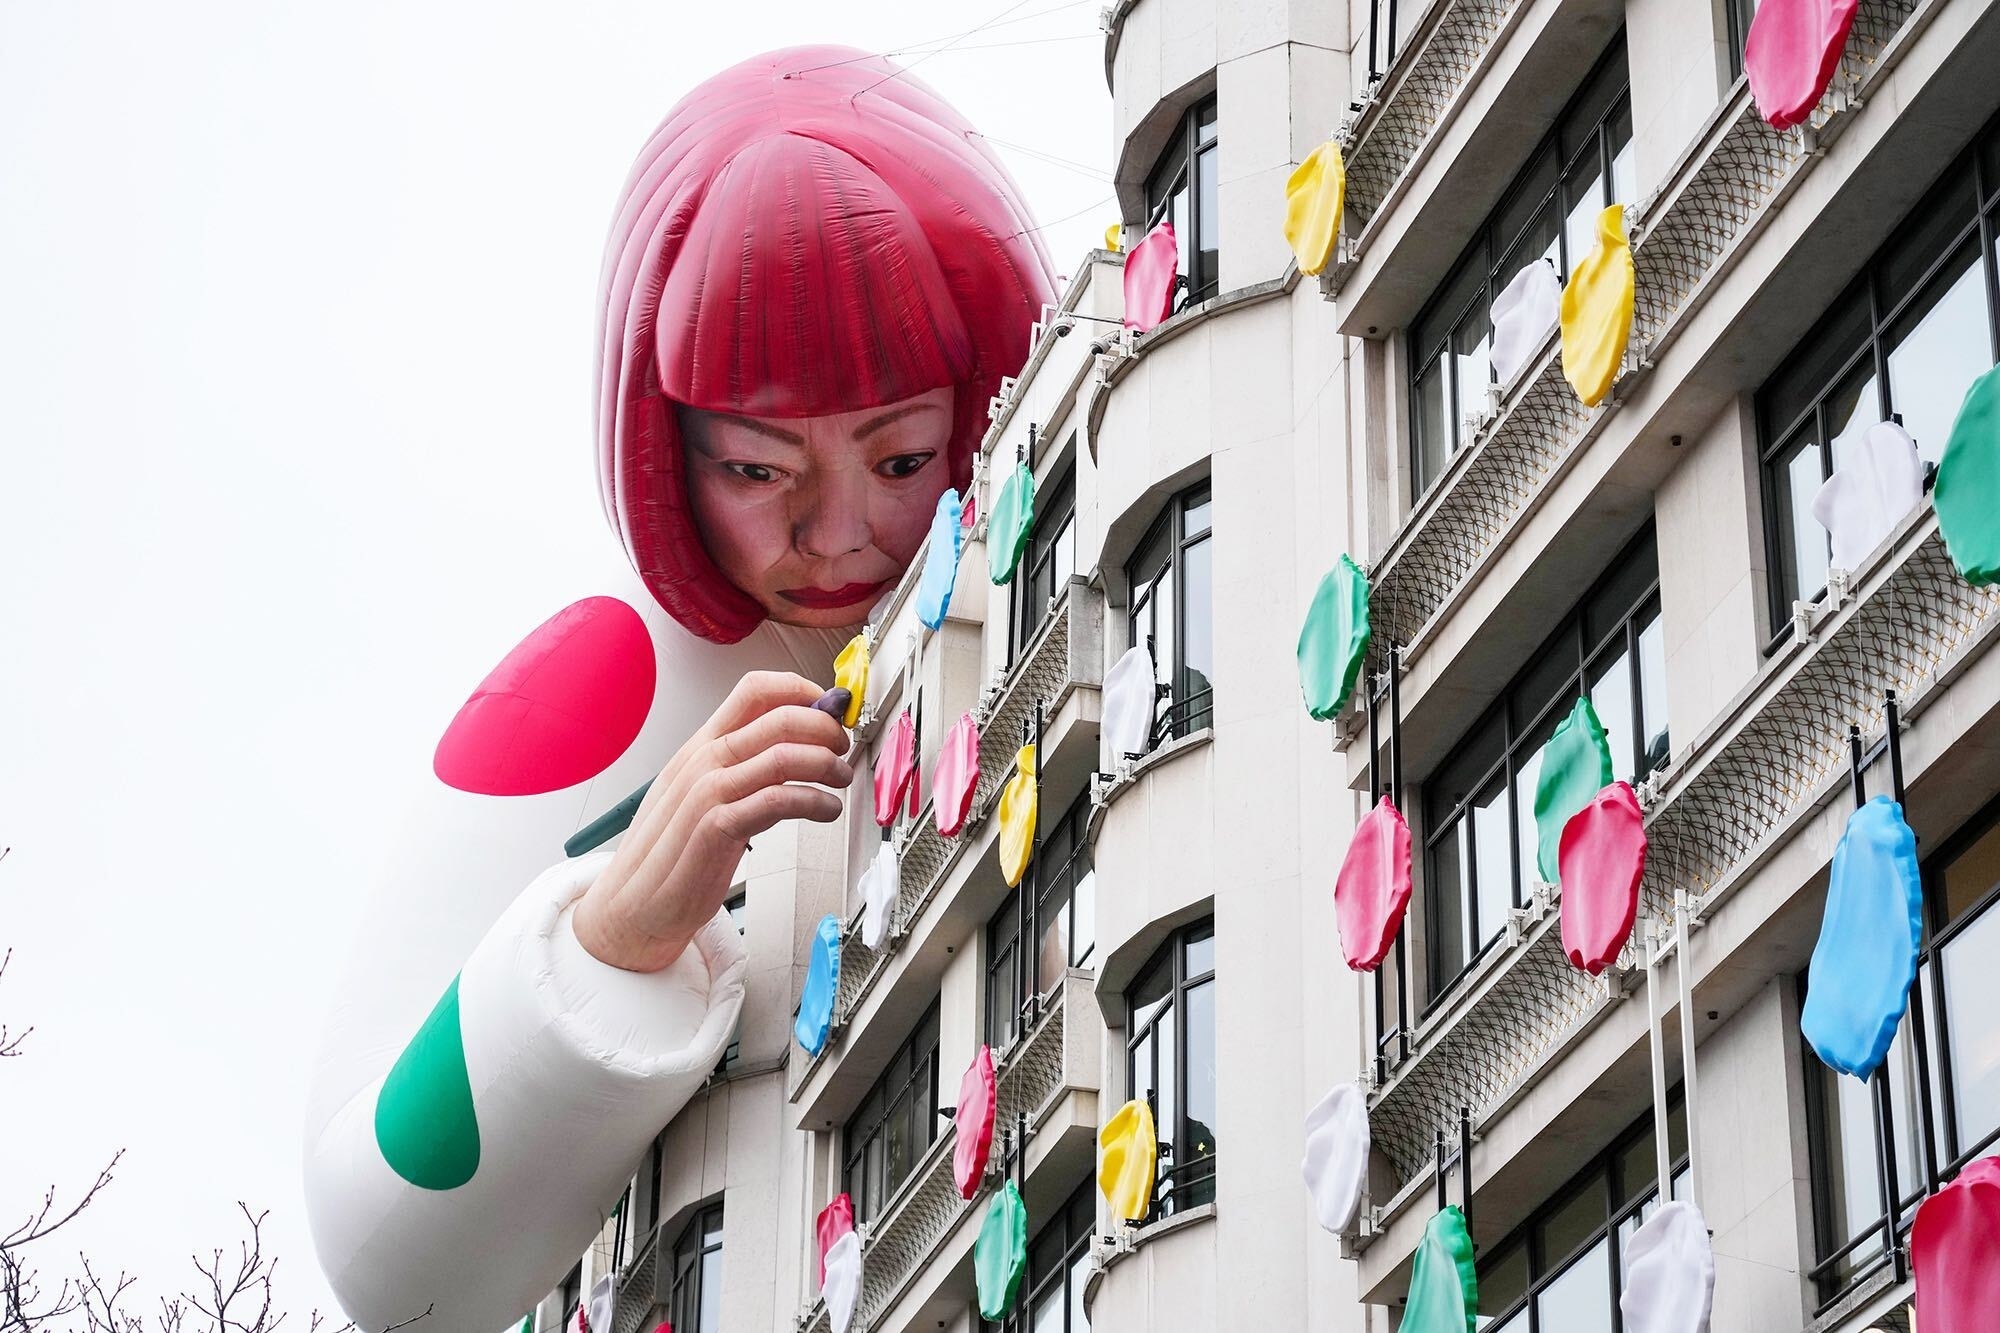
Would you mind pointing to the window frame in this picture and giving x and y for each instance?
(694, 1244)
(921, 1045)
(1055, 518)
(1182, 711)
(1012, 967)
(1180, 165)
(1075, 1222)
(1190, 1175)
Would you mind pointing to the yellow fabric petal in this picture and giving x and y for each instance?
(1018, 800)
(1126, 1154)
(1111, 237)
(1313, 199)
(1597, 311)
(850, 673)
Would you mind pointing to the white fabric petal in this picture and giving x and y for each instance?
(1877, 484)
(601, 1308)
(1127, 703)
(1336, 1164)
(1524, 315)
(842, 1291)
(1669, 1273)
(879, 885)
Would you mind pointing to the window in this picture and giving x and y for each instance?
(1479, 807)
(1060, 891)
(1737, 15)
(1050, 558)
(1181, 190)
(1548, 213)
(1172, 580)
(1902, 343)
(695, 1302)
(898, 1119)
(1562, 1269)
(1957, 998)
(572, 1297)
(1051, 1299)
(1170, 1063)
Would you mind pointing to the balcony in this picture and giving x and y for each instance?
(920, 1249)
(643, 1287)
(1713, 819)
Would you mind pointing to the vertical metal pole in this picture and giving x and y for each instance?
(1020, 1150)
(1396, 795)
(1663, 1158)
(1374, 745)
(1919, 1029)
(1885, 1111)
(1893, 719)
(1438, 1135)
(1690, 1102)
(1465, 1166)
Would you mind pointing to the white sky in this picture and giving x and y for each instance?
(295, 441)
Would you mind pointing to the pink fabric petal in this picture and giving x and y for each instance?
(834, 1221)
(1601, 858)
(957, 776)
(895, 768)
(1952, 1249)
(1791, 54)
(558, 709)
(973, 1122)
(1373, 887)
(1150, 270)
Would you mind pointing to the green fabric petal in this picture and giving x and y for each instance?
(1334, 639)
(1013, 519)
(1000, 1255)
(1444, 1290)
(1968, 484)
(424, 1121)
(1576, 765)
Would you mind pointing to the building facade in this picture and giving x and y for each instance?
(1174, 939)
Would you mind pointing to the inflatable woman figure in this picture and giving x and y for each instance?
(816, 278)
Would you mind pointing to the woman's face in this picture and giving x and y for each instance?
(816, 517)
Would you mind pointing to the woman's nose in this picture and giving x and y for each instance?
(833, 520)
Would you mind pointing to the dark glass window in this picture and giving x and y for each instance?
(1549, 212)
(1050, 559)
(1181, 190)
(1060, 892)
(1562, 1269)
(572, 1297)
(694, 1303)
(1902, 343)
(1737, 14)
(1051, 1299)
(1170, 1062)
(1172, 580)
(897, 1120)
(1958, 996)
(738, 906)
(1479, 806)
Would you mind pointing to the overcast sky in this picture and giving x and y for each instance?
(295, 442)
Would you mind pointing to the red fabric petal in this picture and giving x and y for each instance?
(1791, 53)
(895, 768)
(1955, 1247)
(957, 776)
(558, 709)
(834, 1221)
(973, 1140)
(1373, 887)
(1600, 859)
(1150, 271)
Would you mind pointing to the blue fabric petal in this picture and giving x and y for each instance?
(815, 1018)
(940, 562)
(1859, 983)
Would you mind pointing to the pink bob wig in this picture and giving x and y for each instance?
(799, 238)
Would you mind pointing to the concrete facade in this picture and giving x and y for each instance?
(1282, 406)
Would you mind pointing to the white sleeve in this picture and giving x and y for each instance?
(570, 1065)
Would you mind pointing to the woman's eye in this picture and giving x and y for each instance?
(758, 472)
(905, 465)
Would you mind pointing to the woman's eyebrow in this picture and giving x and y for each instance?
(888, 418)
(766, 429)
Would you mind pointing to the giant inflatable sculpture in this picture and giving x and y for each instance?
(817, 276)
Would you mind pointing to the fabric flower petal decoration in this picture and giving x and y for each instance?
(1336, 1162)
(1372, 890)
(1858, 983)
(1126, 706)
(1112, 237)
(895, 768)
(1018, 802)
(1525, 313)
(1597, 310)
(1313, 198)
(850, 673)
(834, 1221)
(1601, 857)
(1150, 272)
(815, 1018)
(842, 1288)
(972, 1138)
(1872, 491)
(1000, 1255)
(1669, 1273)
(602, 1303)
(1013, 519)
(956, 777)
(1444, 1291)
(1127, 1152)
(1967, 493)
(968, 510)
(1334, 640)
(1576, 765)
(1951, 1248)
(566, 702)
(881, 884)
(934, 585)
(1790, 55)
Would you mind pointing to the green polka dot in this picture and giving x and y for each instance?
(424, 1122)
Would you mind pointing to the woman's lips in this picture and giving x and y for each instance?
(827, 599)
